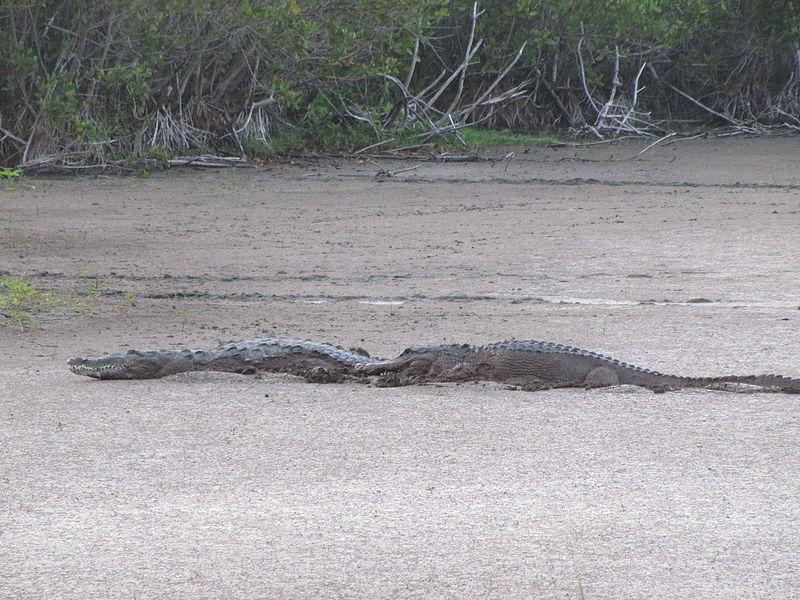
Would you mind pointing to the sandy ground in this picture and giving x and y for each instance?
(685, 259)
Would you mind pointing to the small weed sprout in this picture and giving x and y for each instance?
(91, 283)
(130, 298)
(183, 317)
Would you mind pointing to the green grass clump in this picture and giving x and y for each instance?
(20, 301)
(9, 174)
(313, 137)
(481, 139)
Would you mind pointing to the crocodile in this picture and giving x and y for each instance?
(535, 365)
(316, 362)
(530, 365)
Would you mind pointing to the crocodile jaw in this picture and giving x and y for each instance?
(133, 364)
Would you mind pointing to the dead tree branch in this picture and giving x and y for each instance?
(618, 115)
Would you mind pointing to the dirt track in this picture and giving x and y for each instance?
(213, 485)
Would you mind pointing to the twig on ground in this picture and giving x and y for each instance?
(658, 141)
(215, 162)
(788, 116)
(456, 158)
(375, 145)
(597, 143)
(508, 157)
(384, 172)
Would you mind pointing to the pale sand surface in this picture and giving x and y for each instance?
(213, 485)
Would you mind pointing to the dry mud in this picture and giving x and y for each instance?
(685, 259)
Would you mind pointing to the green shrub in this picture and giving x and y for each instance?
(94, 82)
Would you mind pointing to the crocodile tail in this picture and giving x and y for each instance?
(788, 385)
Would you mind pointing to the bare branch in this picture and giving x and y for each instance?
(658, 141)
(480, 101)
(467, 52)
(8, 134)
(694, 101)
(383, 172)
(412, 68)
(583, 77)
(462, 66)
(371, 146)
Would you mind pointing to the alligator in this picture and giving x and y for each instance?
(314, 361)
(534, 365)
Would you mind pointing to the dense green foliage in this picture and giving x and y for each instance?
(86, 83)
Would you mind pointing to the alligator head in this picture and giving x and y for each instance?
(134, 364)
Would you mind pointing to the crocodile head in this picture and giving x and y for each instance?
(134, 364)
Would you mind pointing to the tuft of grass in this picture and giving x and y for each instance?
(92, 283)
(88, 291)
(9, 174)
(183, 317)
(10, 177)
(20, 301)
(130, 298)
(479, 140)
(315, 136)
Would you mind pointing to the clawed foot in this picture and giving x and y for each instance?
(368, 368)
(395, 380)
(322, 375)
